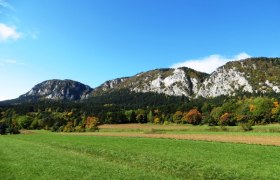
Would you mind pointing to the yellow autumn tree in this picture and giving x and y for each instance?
(177, 117)
(92, 123)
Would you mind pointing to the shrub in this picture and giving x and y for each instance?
(157, 120)
(247, 126)
(3, 128)
(34, 124)
(24, 122)
(224, 128)
(13, 130)
(79, 129)
(166, 123)
(69, 127)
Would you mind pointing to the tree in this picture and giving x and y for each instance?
(177, 117)
(151, 116)
(157, 120)
(215, 115)
(276, 111)
(192, 117)
(261, 110)
(141, 116)
(225, 119)
(206, 108)
(3, 128)
(92, 123)
(24, 121)
(243, 111)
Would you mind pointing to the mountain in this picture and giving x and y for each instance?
(253, 75)
(173, 82)
(58, 90)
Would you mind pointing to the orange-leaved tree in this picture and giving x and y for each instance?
(192, 117)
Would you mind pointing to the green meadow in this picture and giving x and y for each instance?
(46, 155)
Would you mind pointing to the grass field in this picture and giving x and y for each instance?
(46, 155)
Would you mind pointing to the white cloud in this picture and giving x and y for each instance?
(7, 32)
(210, 63)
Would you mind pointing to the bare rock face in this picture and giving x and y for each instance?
(224, 82)
(173, 82)
(253, 75)
(59, 90)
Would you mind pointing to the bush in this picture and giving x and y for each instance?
(80, 129)
(13, 130)
(60, 129)
(166, 123)
(93, 129)
(213, 129)
(24, 122)
(247, 126)
(3, 128)
(34, 124)
(224, 128)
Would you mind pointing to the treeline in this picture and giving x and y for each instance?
(137, 108)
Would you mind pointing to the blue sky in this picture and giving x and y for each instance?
(92, 41)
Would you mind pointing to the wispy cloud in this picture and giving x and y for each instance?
(11, 62)
(210, 63)
(7, 32)
(8, 61)
(34, 34)
(10, 32)
(5, 4)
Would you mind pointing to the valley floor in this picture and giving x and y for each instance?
(141, 152)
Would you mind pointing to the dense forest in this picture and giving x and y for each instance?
(130, 107)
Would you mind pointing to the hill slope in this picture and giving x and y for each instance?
(58, 90)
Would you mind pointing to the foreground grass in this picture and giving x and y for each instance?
(54, 156)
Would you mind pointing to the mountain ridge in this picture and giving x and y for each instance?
(252, 75)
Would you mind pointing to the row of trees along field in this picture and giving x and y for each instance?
(86, 116)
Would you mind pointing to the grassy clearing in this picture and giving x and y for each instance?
(53, 156)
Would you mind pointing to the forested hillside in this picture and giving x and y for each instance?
(130, 107)
(238, 93)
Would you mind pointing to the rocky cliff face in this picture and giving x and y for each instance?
(173, 82)
(224, 82)
(254, 75)
(59, 90)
